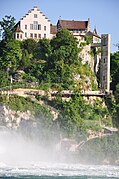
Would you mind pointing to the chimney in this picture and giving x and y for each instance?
(88, 27)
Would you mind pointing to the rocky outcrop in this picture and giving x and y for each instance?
(11, 118)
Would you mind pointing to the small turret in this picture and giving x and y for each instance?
(95, 31)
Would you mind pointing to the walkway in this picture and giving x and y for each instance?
(33, 92)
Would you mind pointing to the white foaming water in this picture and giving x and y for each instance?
(59, 169)
(21, 157)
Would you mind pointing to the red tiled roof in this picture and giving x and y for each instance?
(53, 29)
(18, 30)
(73, 24)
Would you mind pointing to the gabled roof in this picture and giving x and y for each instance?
(17, 28)
(92, 34)
(71, 24)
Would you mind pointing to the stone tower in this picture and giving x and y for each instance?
(105, 62)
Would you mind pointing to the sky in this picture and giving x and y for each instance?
(103, 14)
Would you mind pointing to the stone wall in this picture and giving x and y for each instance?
(105, 62)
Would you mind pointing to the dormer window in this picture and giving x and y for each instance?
(35, 16)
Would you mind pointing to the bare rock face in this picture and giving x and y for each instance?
(2, 115)
(12, 119)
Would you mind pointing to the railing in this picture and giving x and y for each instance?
(15, 89)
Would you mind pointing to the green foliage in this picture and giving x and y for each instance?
(117, 93)
(18, 103)
(114, 69)
(94, 86)
(98, 51)
(62, 55)
(88, 39)
(76, 115)
(29, 78)
(7, 26)
(3, 78)
(100, 151)
(82, 44)
(25, 60)
(11, 55)
(30, 45)
(115, 85)
(43, 50)
(65, 47)
(116, 107)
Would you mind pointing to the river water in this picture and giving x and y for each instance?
(42, 170)
(24, 159)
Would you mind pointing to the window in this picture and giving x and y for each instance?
(44, 35)
(31, 35)
(31, 26)
(17, 36)
(25, 26)
(35, 16)
(39, 27)
(104, 60)
(25, 34)
(44, 27)
(39, 35)
(35, 25)
(21, 36)
(35, 35)
(104, 41)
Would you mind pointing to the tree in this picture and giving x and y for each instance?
(114, 70)
(114, 64)
(66, 46)
(117, 105)
(43, 51)
(117, 93)
(34, 56)
(7, 27)
(3, 78)
(25, 60)
(30, 45)
(64, 55)
(11, 55)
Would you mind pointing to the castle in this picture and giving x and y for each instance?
(36, 25)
